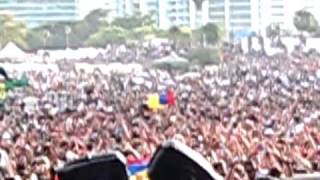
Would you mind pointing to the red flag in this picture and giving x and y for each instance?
(171, 97)
(56, 177)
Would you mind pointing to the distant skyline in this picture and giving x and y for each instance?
(233, 15)
(34, 13)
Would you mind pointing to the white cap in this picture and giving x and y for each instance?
(109, 109)
(71, 156)
(173, 119)
(6, 136)
(268, 132)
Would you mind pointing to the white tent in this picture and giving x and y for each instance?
(27, 66)
(172, 61)
(12, 51)
(172, 58)
(108, 68)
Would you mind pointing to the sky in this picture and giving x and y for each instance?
(89, 5)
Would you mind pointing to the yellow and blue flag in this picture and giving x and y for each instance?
(137, 166)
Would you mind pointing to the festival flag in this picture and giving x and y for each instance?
(140, 176)
(171, 97)
(154, 102)
(9, 85)
(136, 166)
(3, 92)
(6, 85)
(163, 98)
(15, 83)
(56, 177)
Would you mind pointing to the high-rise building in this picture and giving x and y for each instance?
(282, 12)
(269, 12)
(120, 8)
(234, 15)
(36, 12)
(175, 13)
(254, 15)
(166, 13)
(115, 8)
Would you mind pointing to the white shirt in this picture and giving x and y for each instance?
(4, 159)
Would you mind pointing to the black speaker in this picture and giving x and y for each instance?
(176, 161)
(104, 167)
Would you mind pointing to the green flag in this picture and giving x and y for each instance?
(9, 85)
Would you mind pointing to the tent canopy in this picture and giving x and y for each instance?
(12, 51)
(172, 61)
(172, 58)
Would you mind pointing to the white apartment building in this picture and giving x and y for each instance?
(233, 15)
(115, 8)
(270, 12)
(282, 12)
(174, 13)
(256, 15)
(167, 13)
(35, 13)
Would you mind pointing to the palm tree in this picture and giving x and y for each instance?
(273, 32)
(305, 21)
(210, 34)
(46, 36)
(261, 43)
(179, 35)
(198, 18)
(97, 17)
(12, 30)
(67, 30)
(142, 33)
(174, 32)
(105, 35)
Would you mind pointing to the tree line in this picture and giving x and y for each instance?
(304, 22)
(95, 31)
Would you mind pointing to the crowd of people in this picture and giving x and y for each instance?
(249, 117)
